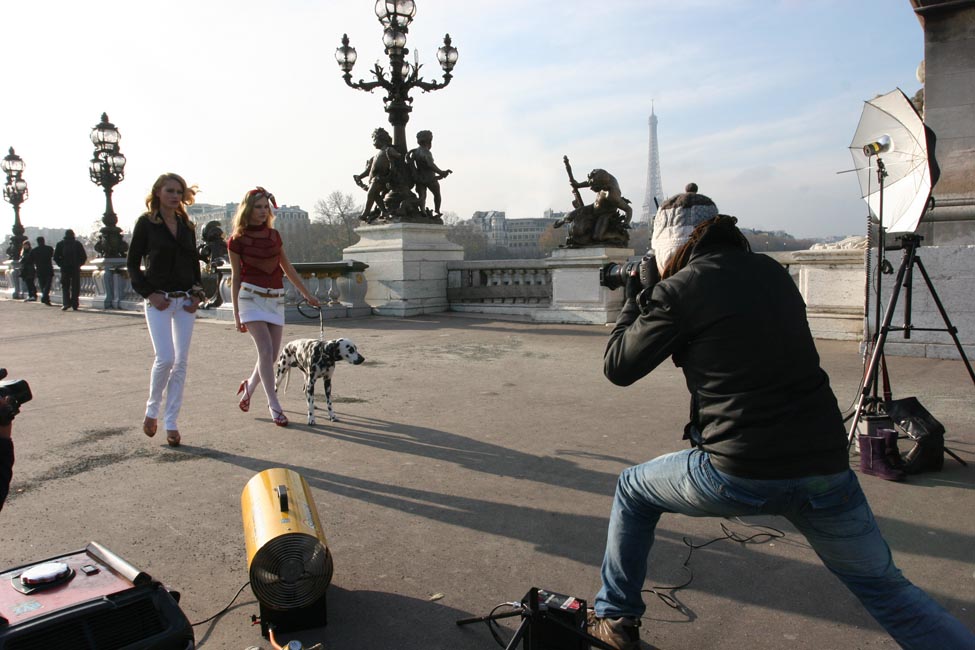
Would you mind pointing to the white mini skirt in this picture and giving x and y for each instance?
(253, 306)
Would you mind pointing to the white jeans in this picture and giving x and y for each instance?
(171, 331)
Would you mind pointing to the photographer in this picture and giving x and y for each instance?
(6, 456)
(767, 435)
(12, 395)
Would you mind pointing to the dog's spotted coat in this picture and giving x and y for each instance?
(316, 359)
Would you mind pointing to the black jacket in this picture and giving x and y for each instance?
(70, 254)
(6, 467)
(735, 323)
(41, 256)
(171, 263)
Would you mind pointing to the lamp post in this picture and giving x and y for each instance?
(107, 169)
(399, 203)
(15, 193)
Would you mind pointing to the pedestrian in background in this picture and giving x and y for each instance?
(27, 272)
(164, 268)
(70, 256)
(42, 256)
(258, 264)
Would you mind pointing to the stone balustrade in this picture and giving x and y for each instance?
(564, 289)
(105, 284)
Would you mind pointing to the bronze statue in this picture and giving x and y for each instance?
(379, 169)
(426, 172)
(605, 221)
(213, 253)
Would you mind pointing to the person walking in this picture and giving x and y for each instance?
(164, 268)
(28, 272)
(258, 263)
(766, 432)
(70, 256)
(42, 256)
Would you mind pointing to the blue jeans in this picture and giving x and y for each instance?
(831, 511)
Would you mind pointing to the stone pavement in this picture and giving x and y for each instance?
(473, 459)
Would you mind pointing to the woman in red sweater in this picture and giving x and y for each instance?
(258, 262)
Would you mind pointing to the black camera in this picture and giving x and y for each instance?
(613, 275)
(13, 393)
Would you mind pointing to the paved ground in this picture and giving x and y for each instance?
(473, 459)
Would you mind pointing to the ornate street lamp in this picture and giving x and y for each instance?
(399, 203)
(107, 169)
(15, 193)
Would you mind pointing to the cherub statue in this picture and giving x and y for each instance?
(428, 175)
(379, 169)
(213, 250)
(213, 253)
(605, 221)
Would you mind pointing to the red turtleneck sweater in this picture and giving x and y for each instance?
(259, 248)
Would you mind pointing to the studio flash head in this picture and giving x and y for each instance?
(880, 145)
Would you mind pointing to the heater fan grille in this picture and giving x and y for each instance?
(290, 571)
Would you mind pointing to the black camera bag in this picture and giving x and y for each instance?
(911, 418)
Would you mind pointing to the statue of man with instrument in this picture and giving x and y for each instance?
(605, 221)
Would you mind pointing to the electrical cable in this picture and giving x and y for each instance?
(222, 611)
(669, 599)
(494, 627)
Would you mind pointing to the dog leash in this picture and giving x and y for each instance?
(313, 309)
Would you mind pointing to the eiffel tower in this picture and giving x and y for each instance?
(655, 188)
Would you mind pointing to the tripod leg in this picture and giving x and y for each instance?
(952, 330)
(520, 632)
(955, 456)
(870, 377)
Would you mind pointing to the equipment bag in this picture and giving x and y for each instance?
(912, 419)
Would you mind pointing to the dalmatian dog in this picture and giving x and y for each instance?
(316, 359)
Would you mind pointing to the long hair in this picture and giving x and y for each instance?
(189, 197)
(246, 207)
(25, 248)
(719, 230)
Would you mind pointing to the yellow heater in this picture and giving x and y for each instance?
(288, 559)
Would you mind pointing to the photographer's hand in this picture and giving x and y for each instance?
(633, 285)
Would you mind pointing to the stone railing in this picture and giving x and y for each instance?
(511, 287)
(105, 284)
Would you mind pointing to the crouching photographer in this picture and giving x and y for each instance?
(13, 393)
(766, 433)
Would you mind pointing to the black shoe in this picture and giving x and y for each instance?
(75, 308)
(65, 308)
(46, 302)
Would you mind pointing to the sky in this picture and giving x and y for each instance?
(757, 100)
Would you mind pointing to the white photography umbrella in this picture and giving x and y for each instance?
(891, 133)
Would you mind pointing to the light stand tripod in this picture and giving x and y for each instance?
(873, 406)
(544, 628)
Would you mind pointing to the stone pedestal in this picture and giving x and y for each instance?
(577, 296)
(106, 293)
(407, 274)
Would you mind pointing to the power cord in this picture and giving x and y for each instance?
(224, 610)
(758, 538)
(495, 628)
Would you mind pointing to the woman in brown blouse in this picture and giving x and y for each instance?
(258, 262)
(164, 269)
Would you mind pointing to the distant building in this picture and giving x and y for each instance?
(289, 220)
(520, 236)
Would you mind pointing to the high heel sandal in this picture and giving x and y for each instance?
(279, 418)
(245, 402)
(172, 437)
(149, 426)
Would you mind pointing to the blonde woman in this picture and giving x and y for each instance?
(165, 269)
(259, 264)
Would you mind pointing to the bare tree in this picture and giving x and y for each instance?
(340, 210)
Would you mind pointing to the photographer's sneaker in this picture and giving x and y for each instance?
(618, 633)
